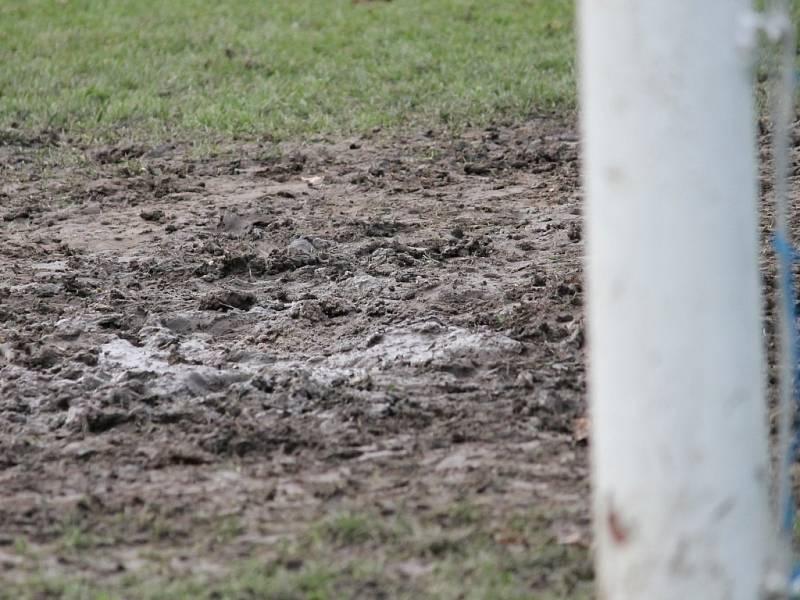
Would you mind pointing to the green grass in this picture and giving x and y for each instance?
(453, 554)
(279, 68)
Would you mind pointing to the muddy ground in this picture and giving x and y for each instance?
(202, 360)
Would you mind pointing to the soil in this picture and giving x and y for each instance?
(277, 334)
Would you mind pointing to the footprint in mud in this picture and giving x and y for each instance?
(123, 358)
(427, 342)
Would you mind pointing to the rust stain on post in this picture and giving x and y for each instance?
(619, 532)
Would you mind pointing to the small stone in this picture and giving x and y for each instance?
(155, 215)
(300, 248)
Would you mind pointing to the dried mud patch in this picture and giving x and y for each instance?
(205, 361)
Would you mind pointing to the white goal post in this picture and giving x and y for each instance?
(679, 441)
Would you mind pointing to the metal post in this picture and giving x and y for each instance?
(679, 440)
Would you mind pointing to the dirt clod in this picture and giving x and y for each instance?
(227, 300)
(155, 215)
